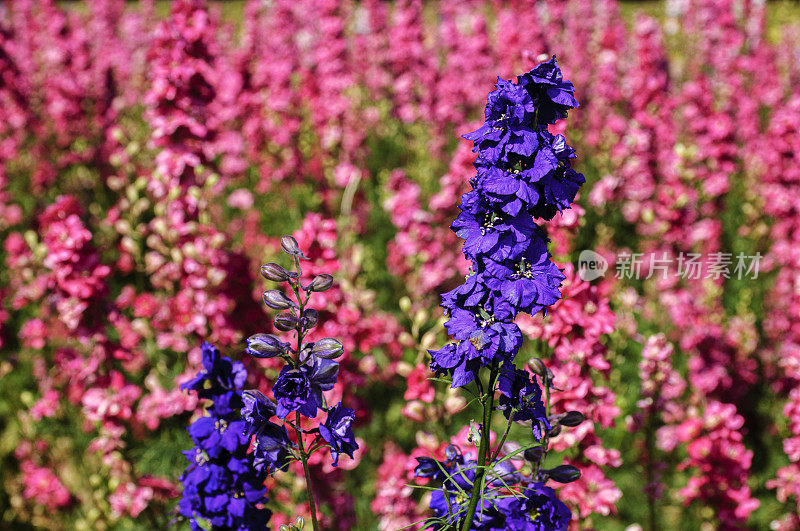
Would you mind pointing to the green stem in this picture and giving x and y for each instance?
(300, 330)
(312, 504)
(546, 438)
(304, 458)
(505, 434)
(547, 400)
(650, 442)
(480, 474)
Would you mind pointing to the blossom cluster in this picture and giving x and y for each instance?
(508, 508)
(223, 485)
(523, 173)
(309, 372)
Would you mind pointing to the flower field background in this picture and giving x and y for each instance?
(152, 155)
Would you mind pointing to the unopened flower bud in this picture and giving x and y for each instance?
(563, 473)
(555, 430)
(404, 368)
(427, 467)
(286, 321)
(454, 403)
(534, 454)
(451, 452)
(426, 440)
(310, 318)
(274, 272)
(290, 246)
(572, 419)
(321, 282)
(327, 348)
(414, 410)
(265, 346)
(512, 450)
(277, 300)
(538, 367)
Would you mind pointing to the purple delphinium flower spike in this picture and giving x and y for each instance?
(309, 372)
(523, 175)
(222, 485)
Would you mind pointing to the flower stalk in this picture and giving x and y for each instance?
(480, 474)
(310, 370)
(312, 504)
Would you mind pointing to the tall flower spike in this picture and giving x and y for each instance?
(301, 385)
(222, 486)
(523, 173)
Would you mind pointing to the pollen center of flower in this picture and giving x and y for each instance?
(524, 269)
(529, 400)
(488, 222)
(477, 339)
(200, 457)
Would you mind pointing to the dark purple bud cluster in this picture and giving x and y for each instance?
(310, 370)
